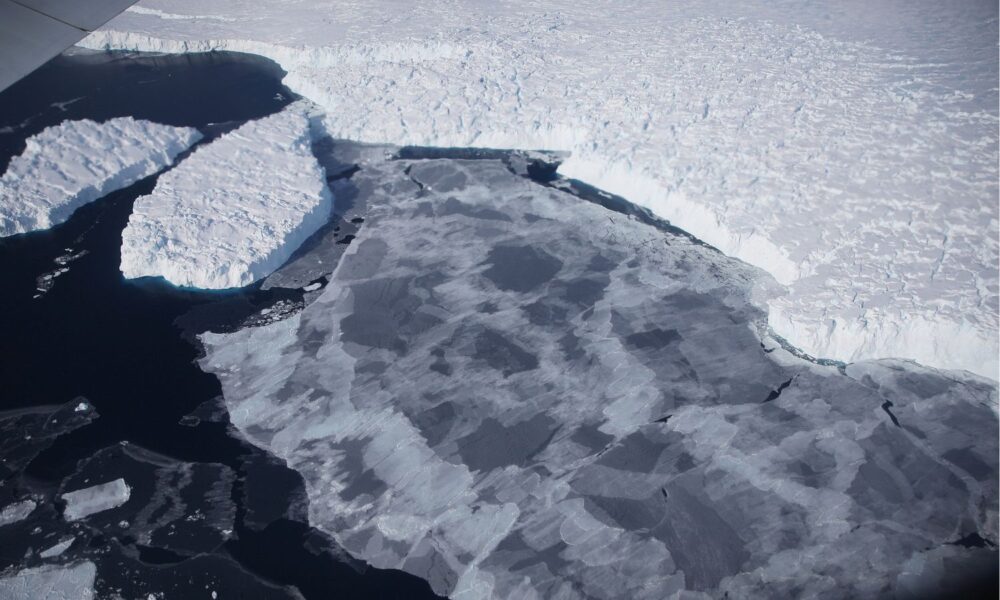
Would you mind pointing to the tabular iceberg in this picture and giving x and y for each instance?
(94, 499)
(234, 211)
(76, 162)
(850, 151)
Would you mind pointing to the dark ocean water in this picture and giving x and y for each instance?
(127, 348)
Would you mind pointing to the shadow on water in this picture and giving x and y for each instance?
(119, 343)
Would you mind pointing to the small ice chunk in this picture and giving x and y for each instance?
(312, 287)
(57, 549)
(52, 582)
(88, 501)
(12, 513)
(80, 407)
(76, 162)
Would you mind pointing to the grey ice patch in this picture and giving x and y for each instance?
(453, 206)
(502, 354)
(496, 445)
(385, 314)
(520, 268)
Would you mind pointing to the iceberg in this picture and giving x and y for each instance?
(76, 162)
(851, 152)
(55, 582)
(515, 393)
(87, 501)
(234, 211)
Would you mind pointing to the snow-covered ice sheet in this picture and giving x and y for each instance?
(87, 501)
(234, 211)
(848, 149)
(76, 162)
(55, 582)
(514, 393)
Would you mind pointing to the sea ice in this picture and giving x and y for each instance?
(76, 162)
(87, 501)
(51, 582)
(848, 150)
(515, 393)
(234, 211)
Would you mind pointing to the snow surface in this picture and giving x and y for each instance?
(848, 149)
(87, 501)
(234, 211)
(56, 582)
(515, 393)
(76, 162)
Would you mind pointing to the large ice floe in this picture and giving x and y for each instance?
(51, 582)
(96, 498)
(515, 393)
(234, 211)
(850, 150)
(76, 162)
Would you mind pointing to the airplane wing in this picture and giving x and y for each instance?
(34, 31)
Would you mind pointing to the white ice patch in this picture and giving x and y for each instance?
(18, 511)
(76, 162)
(57, 549)
(849, 152)
(87, 501)
(56, 582)
(234, 211)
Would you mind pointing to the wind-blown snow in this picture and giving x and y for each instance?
(76, 162)
(94, 499)
(850, 150)
(234, 211)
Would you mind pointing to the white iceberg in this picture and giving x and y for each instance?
(851, 153)
(234, 211)
(87, 501)
(55, 582)
(76, 162)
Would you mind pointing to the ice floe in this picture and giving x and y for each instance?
(514, 393)
(87, 501)
(18, 511)
(76, 162)
(850, 151)
(55, 582)
(234, 211)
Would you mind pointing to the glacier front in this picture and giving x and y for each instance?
(76, 162)
(515, 393)
(234, 211)
(850, 150)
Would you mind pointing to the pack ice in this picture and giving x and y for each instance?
(76, 162)
(515, 393)
(232, 212)
(848, 150)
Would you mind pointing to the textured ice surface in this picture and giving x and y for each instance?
(514, 393)
(234, 211)
(12, 513)
(87, 501)
(57, 582)
(850, 150)
(76, 162)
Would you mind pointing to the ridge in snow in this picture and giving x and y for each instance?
(235, 210)
(850, 151)
(76, 162)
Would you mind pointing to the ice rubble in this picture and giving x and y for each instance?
(55, 582)
(848, 150)
(234, 211)
(516, 394)
(76, 162)
(87, 501)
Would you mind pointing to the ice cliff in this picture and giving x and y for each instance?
(76, 162)
(849, 150)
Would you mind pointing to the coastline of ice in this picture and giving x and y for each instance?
(850, 151)
(234, 211)
(76, 162)
(87, 501)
